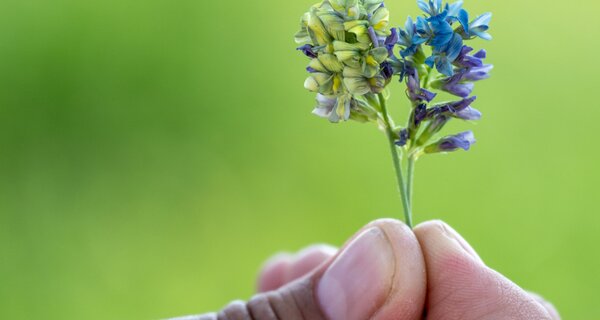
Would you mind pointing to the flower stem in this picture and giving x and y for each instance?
(409, 179)
(397, 162)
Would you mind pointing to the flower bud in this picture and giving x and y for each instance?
(462, 140)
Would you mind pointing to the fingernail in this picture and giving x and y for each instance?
(360, 278)
(459, 241)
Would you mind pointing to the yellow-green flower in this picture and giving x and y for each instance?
(345, 39)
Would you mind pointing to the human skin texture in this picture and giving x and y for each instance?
(386, 271)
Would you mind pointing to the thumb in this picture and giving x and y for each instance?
(378, 274)
(462, 287)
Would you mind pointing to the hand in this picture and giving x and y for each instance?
(386, 271)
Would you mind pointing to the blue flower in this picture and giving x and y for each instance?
(443, 57)
(463, 140)
(409, 39)
(477, 27)
(431, 7)
(454, 9)
(437, 32)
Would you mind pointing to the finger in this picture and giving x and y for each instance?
(284, 268)
(460, 286)
(274, 272)
(379, 274)
(547, 305)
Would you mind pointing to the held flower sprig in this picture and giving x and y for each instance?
(354, 55)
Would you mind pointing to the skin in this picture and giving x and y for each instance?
(429, 273)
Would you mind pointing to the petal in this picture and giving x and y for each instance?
(357, 86)
(482, 34)
(379, 54)
(468, 113)
(430, 61)
(482, 20)
(316, 65)
(463, 18)
(481, 54)
(454, 47)
(331, 62)
(423, 5)
(443, 65)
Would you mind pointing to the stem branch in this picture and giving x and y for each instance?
(397, 163)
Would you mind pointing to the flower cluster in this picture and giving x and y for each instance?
(347, 42)
(354, 55)
(434, 57)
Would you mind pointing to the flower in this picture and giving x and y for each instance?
(308, 50)
(463, 140)
(477, 27)
(432, 8)
(454, 85)
(415, 93)
(436, 31)
(464, 60)
(444, 56)
(348, 42)
(468, 113)
(403, 136)
(409, 38)
(391, 40)
(353, 58)
(343, 108)
(433, 128)
(468, 70)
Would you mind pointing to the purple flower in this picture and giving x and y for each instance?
(403, 137)
(373, 37)
(468, 113)
(308, 50)
(455, 85)
(434, 127)
(391, 41)
(461, 104)
(463, 140)
(419, 114)
(464, 60)
(415, 92)
(478, 73)
(387, 71)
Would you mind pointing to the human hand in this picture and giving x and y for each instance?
(387, 271)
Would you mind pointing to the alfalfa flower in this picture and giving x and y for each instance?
(348, 42)
(354, 54)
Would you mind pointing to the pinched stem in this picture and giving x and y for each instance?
(409, 180)
(402, 187)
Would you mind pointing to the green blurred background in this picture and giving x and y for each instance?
(154, 153)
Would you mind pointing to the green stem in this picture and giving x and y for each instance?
(409, 180)
(396, 160)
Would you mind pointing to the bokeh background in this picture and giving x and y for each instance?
(154, 153)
